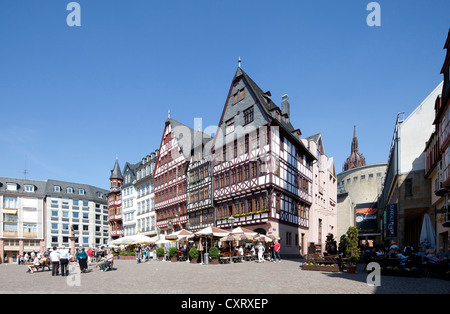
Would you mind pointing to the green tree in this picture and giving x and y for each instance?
(352, 251)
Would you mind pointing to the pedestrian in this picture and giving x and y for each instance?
(261, 250)
(54, 258)
(276, 251)
(90, 255)
(138, 253)
(82, 259)
(64, 261)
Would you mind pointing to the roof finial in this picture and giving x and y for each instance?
(168, 114)
(239, 62)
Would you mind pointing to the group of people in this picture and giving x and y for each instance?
(427, 258)
(60, 257)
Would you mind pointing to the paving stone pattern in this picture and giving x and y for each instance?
(155, 277)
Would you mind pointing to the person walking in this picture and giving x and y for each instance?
(54, 259)
(276, 251)
(64, 261)
(82, 259)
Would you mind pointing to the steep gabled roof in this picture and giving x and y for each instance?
(269, 108)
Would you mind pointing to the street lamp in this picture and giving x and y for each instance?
(231, 220)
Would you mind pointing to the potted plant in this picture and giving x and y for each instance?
(173, 253)
(214, 254)
(352, 251)
(193, 254)
(160, 253)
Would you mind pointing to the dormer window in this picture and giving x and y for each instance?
(69, 190)
(29, 188)
(11, 186)
(81, 191)
(57, 188)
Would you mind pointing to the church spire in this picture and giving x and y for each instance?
(355, 159)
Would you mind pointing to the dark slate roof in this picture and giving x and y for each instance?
(269, 106)
(39, 186)
(89, 190)
(116, 173)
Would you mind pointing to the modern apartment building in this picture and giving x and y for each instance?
(22, 224)
(81, 206)
(36, 215)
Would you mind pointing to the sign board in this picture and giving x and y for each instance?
(390, 221)
(366, 217)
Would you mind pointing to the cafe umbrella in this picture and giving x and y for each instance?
(427, 235)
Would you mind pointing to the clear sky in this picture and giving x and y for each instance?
(74, 98)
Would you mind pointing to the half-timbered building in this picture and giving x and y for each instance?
(170, 175)
(262, 171)
(115, 202)
(199, 186)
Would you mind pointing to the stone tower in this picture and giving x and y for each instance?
(355, 159)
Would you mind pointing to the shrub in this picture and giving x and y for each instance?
(193, 252)
(352, 251)
(214, 252)
(160, 252)
(173, 251)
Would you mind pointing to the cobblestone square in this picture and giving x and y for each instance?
(156, 277)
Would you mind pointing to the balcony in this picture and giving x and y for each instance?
(439, 188)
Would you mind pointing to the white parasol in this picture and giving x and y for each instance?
(427, 235)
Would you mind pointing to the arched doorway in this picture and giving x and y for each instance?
(260, 231)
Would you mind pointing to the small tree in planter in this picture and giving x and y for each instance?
(352, 251)
(193, 254)
(173, 252)
(214, 254)
(160, 253)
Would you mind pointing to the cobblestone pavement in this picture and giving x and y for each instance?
(156, 277)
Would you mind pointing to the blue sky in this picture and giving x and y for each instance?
(72, 98)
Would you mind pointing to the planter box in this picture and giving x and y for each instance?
(214, 261)
(125, 257)
(321, 268)
(194, 260)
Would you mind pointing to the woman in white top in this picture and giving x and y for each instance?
(261, 250)
(35, 264)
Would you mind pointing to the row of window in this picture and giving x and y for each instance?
(362, 177)
(171, 192)
(172, 212)
(243, 206)
(170, 175)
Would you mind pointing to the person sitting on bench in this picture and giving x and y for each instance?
(108, 262)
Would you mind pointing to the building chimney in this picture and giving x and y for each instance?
(285, 107)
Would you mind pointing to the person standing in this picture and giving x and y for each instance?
(276, 251)
(64, 261)
(261, 250)
(138, 253)
(82, 259)
(54, 258)
(90, 255)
